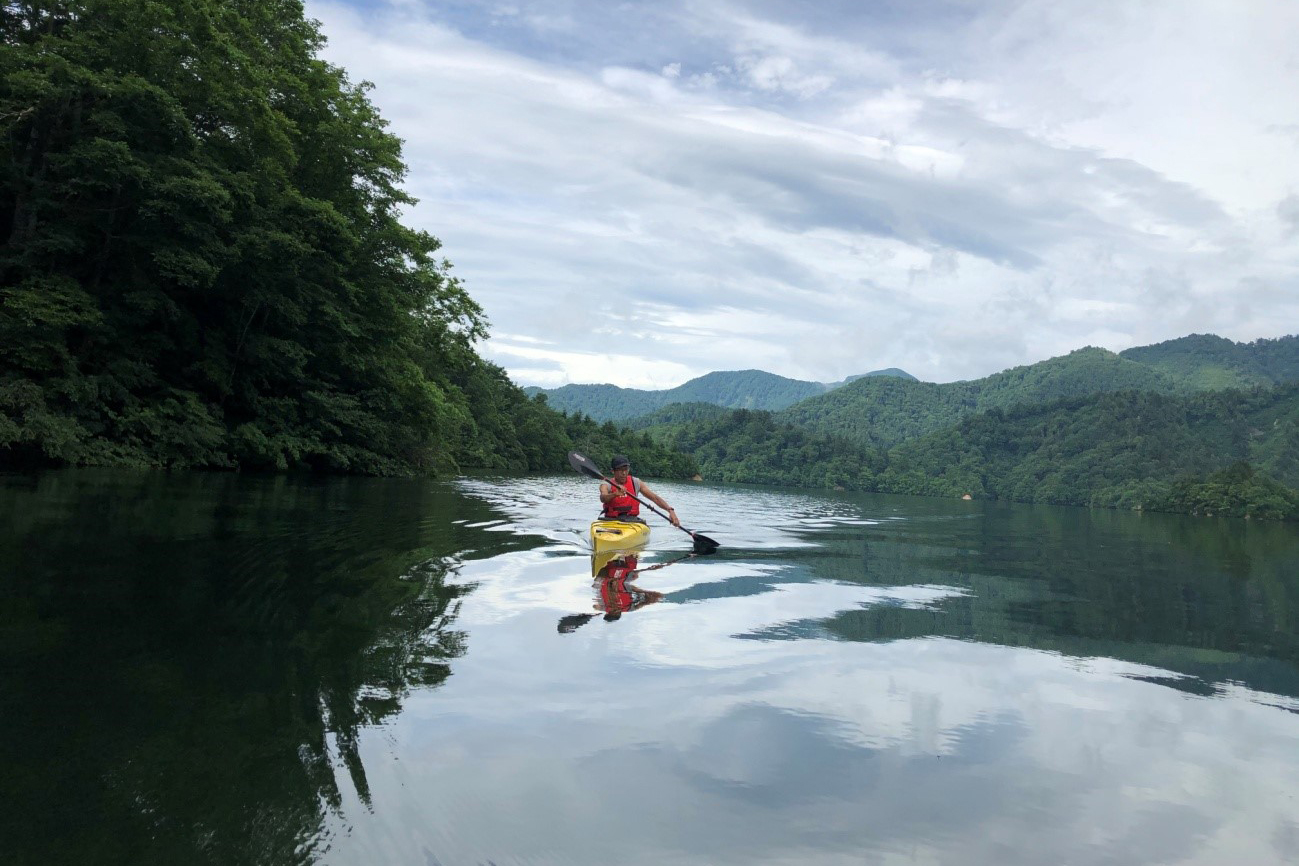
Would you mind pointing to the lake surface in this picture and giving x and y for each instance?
(230, 670)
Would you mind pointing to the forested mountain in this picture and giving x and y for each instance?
(1205, 361)
(884, 411)
(738, 389)
(892, 405)
(204, 263)
(1228, 453)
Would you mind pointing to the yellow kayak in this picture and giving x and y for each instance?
(617, 535)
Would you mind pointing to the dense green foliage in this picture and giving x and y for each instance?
(888, 406)
(1089, 428)
(675, 416)
(204, 264)
(1232, 452)
(884, 411)
(739, 389)
(754, 447)
(1206, 361)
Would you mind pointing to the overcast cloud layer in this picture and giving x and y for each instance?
(640, 193)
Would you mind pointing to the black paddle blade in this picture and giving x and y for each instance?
(571, 623)
(585, 465)
(703, 544)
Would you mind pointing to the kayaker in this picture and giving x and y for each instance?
(617, 497)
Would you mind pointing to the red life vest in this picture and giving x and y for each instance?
(614, 595)
(624, 505)
(618, 569)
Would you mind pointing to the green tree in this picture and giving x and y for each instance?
(205, 264)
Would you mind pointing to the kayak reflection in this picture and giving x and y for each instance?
(614, 591)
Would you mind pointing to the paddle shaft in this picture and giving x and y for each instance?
(656, 566)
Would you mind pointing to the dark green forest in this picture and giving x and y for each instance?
(1228, 453)
(205, 265)
(1233, 453)
(895, 406)
(676, 416)
(1209, 362)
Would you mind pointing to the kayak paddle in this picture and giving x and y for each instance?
(586, 466)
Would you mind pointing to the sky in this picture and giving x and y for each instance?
(639, 193)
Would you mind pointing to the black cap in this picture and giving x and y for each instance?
(619, 461)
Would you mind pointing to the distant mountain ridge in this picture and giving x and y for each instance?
(884, 412)
(735, 389)
(888, 406)
(1199, 425)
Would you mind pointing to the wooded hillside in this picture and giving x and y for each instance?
(1207, 362)
(1232, 453)
(884, 411)
(205, 265)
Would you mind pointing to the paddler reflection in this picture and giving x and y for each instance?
(615, 594)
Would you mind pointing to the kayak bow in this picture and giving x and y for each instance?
(617, 535)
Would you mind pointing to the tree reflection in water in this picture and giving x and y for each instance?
(190, 661)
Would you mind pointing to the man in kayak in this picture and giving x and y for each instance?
(617, 497)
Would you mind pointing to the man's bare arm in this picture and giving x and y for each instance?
(659, 501)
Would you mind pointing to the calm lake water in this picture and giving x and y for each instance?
(228, 670)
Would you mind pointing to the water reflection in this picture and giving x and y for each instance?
(232, 670)
(191, 661)
(1213, 601)
(614, 591)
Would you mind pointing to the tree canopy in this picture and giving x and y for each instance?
(205, 264)
(1230, 453)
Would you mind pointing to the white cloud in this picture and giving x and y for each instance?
(775, 72)
(823, 196)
